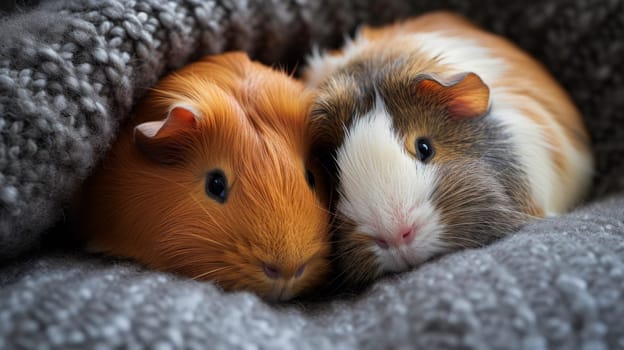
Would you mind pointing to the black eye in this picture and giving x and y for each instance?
(310, 179)
(424, 149)
(216, 186)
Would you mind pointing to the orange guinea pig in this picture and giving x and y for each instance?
(214, 180)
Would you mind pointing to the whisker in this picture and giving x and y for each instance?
(153, 174)
(346, 251)
(473, 223)
(318, 206)
(464, 239)
(217, 243)
(211, 272)
(201, 206)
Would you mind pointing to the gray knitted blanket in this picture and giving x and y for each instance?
(70, 72)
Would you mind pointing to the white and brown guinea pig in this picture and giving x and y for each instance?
(441, 136)
(214, 180)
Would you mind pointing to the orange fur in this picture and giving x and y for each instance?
(252, 127)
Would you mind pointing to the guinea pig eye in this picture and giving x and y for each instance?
(310, 179)
(216, 186)
(424, 149)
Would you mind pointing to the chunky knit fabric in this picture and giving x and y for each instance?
(555, 285)
(70, 72)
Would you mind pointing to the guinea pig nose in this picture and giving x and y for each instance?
(271, 271)
(382, 243)
(300, 270)
(407, 236)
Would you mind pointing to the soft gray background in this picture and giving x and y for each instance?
(69, 74)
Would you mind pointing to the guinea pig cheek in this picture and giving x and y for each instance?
(386, 193)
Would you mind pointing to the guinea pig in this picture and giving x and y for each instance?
(440, 136)
(214, 180)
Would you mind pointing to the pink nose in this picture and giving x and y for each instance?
(404, 237)
(274, 272)
(407, 236)
(271, 271)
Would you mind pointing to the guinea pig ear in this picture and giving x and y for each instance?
(159, 140)
(463, 95)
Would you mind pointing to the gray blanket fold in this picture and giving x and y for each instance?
(70, 72)
(556, 284)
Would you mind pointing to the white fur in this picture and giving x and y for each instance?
(580, 173)
(383, 189)
(530, 145)
(460, 54)
(320, 65)
(553, 193)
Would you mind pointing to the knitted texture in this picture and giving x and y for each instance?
(555, 285)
